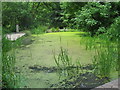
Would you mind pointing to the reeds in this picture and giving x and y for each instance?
(106, 57)
(63, 60)
(65, 64)
(105, 60)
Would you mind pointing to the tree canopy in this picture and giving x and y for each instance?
(93, 17)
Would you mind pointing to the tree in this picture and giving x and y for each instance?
(69, 9)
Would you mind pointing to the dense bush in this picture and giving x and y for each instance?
(114, 30)
(93, 17)
(53, 29)
(68, 12)
(39, 30)
(27, 33)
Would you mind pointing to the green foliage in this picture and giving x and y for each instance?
(72, 30)
(57, 29)
(69, 11)
(114, 29)
(16, 13)
(9, 77)
(93, 17)
(53, 29)
(101, 30)
(7, 44)
(64, 64)
(5, 30)
(63, 60)
(30, 15)
(27, 33)
(39, 30)
(105, 59)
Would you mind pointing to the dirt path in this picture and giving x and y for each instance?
(14, 36)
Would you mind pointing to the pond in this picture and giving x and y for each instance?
(35, 62)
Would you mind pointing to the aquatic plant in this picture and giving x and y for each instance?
(63, 60)
(65, 64)
(105, 60)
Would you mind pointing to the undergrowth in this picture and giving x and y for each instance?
(9, 78)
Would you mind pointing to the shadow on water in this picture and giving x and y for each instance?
(27, 41)
(36, 68)
(82, 34)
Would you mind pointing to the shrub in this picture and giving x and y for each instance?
(57, 29)
(39, 30)
(101, 30)
(93, 16)
(114, 29)
(27, 33)
(53, 29)
(6, 30)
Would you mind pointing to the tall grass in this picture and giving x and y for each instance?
(65, 65)
(106, 57)
(63, 60)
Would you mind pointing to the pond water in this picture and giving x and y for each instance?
(35, 61)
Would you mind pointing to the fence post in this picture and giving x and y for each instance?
(17, 28)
